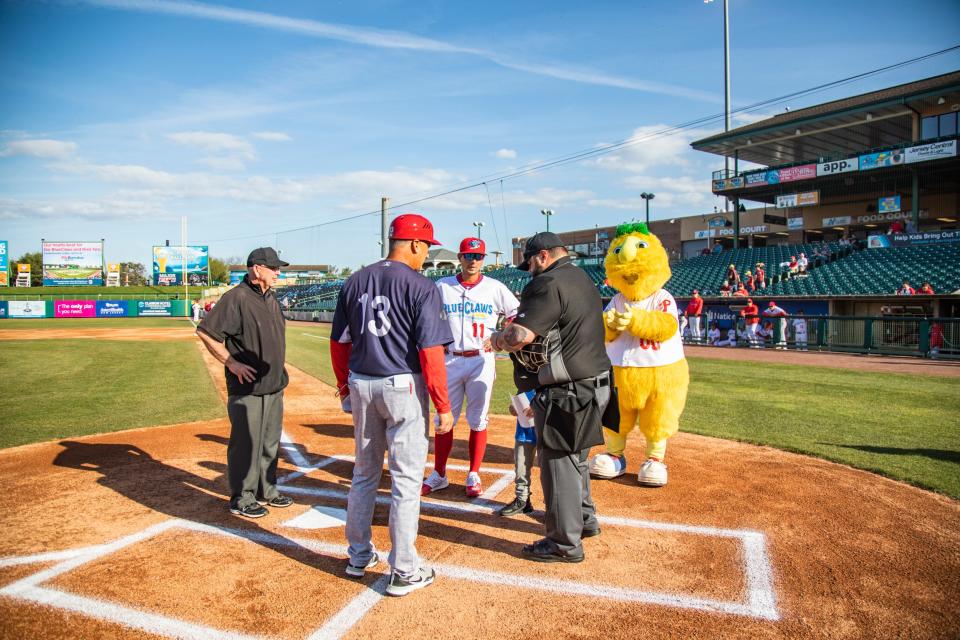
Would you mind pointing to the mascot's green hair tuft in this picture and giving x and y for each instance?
(632, 227)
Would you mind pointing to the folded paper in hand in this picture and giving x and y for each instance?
(521, 403)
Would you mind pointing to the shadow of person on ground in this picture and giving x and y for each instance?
(934, 454)
(135, 474)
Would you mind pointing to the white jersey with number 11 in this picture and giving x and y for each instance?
(473, 311)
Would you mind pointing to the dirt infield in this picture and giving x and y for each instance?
(127, 535)
(98, 333)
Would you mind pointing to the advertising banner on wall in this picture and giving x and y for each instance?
(888, 205)
(794, 224)
(74, 309)
(839, 221)
(168, 265)
(932, 151)
(804, 199)
(155, 308)
(111, 308)
(4, 264)
(27, 309)
(755, 179)
(802, 172)
(3, 309)
(912, 239)
(883, 159)
(837, 166)
(728, 183)
(71, 264)
(727, 314)
(23, 275)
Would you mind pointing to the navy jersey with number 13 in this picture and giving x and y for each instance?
(389, 312)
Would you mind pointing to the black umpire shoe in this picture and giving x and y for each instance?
(254, 510)
(515, 507)
(589, 533)
(279, 502)
(546, 551)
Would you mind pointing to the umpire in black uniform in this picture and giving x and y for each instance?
(245, 331)
(558, 333)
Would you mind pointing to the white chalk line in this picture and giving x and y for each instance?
(299, 460)
(313, 335)
(345, 619)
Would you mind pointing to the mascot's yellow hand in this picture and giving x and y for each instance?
(622, 320)
(609, 319)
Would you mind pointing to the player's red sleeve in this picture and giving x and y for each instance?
(435, 375)
(340, 356)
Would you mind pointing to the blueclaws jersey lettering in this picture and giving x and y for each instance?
(472, 312)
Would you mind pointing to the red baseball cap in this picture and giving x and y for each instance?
(473, 245)
(412, 226)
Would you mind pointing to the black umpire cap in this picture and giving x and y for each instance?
(542, 241)
(267, 257)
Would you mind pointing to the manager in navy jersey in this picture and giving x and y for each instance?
(387, 349)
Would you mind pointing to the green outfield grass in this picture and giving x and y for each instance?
(67, 388)
(73, 323)
(903, 427)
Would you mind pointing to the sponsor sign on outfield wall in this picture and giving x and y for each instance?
(111, 308)
(168, 264)
(837, 166)
(4, 264)
(3, 309)
(154, 308)
(932, 151)
(74, 309)
(26, 309)
(883, 159)
(71, 264)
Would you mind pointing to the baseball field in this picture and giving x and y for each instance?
(810, 495)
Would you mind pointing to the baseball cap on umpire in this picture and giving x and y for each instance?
(473, 245)
(540, 242)
(266, 256)
(412, 226)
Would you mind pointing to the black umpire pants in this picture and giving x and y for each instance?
(256, 424)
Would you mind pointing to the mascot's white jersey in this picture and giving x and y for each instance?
(473, 312)
(630, 351)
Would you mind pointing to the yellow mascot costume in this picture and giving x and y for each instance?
(644, 345)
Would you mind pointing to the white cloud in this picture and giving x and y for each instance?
(272, 136)
(236, 151)
(506, 154)
(116, 206)
(384, 39)
(39, 148)
(750, 118)
(669, 192)
(651, 148)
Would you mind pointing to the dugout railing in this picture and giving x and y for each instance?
(887, 335)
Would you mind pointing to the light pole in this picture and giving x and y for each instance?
(648, 197)
(478, 225)
(548, 213)
(726, 113)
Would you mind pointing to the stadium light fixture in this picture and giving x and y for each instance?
(547, 213)
(479, 225)
(648, 197)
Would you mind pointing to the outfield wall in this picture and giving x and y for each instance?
(26, 309)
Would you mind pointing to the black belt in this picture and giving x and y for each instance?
(465, 354)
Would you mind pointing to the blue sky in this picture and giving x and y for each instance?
(261, 120)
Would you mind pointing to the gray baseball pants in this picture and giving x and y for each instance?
(523, 454)
(389, 415)
(256, 424)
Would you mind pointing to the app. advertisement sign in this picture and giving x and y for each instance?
(71, 264)
(111, 308)
(74, 309)
(837, 166)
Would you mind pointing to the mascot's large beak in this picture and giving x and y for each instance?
(628, 251)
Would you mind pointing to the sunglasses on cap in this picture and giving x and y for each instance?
(473, 256)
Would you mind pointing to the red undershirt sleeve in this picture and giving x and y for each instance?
(340, 356)
(435, 376)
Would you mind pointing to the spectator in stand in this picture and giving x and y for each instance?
(725, 289)
(713, 335)
(794, 266)
(717, 247)
(906, 289)
(936, 339)
(741, 291)
(926, 289)
(751, 315)
(733, 277)
(800, 330)
(692, 315)
(760, 276)
(750, 283)
(802, 264)
(780, 328)
(895, 227)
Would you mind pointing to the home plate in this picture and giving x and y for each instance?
(318, 518)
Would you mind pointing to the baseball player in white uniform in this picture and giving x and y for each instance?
(800, 331)
(473, 305)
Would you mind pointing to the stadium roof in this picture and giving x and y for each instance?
(836, 129)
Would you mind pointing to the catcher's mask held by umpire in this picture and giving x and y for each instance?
(534, 355)
(412, 226)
